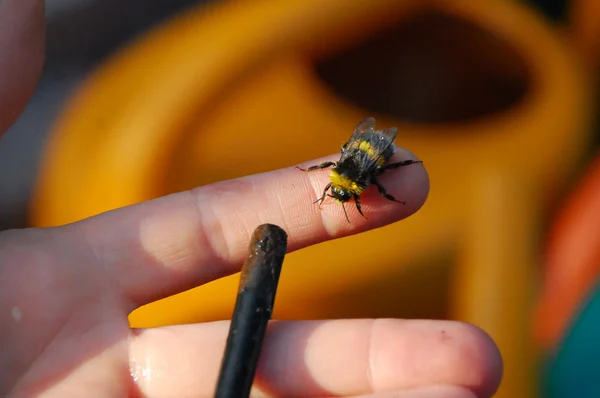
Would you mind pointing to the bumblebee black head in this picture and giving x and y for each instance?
(341, 194)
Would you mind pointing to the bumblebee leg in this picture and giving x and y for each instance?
(322, 198)
(384, 193)
(398, 164)
(323, 165)
(346, 214)
(357, 201)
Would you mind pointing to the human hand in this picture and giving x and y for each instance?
(66, 292)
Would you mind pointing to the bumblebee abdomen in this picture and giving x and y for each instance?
(369, 149)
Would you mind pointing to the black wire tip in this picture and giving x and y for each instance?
(253, 308)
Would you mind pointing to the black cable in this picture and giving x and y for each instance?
(253, 308)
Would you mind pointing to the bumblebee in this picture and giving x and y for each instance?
(364, 158)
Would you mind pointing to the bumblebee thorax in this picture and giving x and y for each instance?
(343, 182)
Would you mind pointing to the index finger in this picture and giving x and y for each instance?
(168, 245)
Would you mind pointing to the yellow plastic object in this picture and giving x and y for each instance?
(236, 82)
(584, 26)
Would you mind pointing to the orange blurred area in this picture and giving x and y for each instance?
(488, 94)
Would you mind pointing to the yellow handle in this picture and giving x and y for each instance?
(496, 277)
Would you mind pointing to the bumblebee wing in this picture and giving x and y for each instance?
(379, 143)
(383, 139)
(365, 126)
(362, 130)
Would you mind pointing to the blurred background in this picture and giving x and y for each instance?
(139, 99)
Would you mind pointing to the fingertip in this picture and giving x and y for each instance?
(439, 352)
(478, 353)
(409, 183)
(489, 359)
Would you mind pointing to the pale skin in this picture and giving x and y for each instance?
(65, 292)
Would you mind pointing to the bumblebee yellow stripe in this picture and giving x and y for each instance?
(345, 183)
(371, 152)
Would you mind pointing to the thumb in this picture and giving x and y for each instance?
(21, 55)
